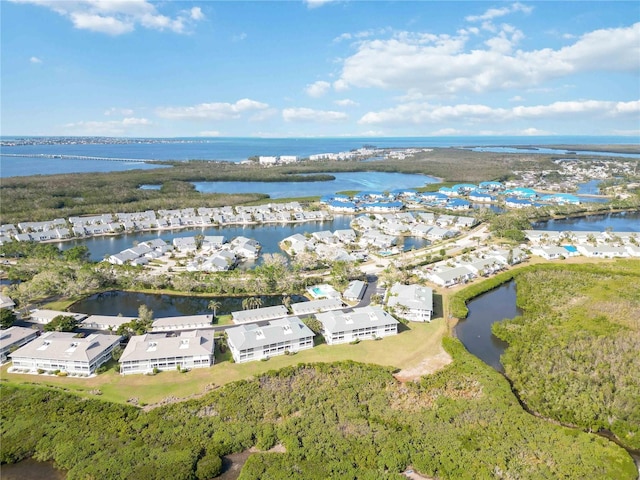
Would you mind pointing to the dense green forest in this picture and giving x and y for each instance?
(573, 354)
(341, 420)
(45, 197)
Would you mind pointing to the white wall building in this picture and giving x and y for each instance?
(413, 302)
(45, 316)
(14, 337)
(144, 353)
(253, 342)
(65, 352)
(358, 324)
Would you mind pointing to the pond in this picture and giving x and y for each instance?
(475, 331)
(344, 181)
(127, 304)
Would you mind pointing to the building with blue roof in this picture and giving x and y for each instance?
(347, 207)
(448, 191)
(522, 192)
(458, 204)
(434, 196)
(383, 206)
(492, 185)
(478, 196)
(464, 188)
(515, 202)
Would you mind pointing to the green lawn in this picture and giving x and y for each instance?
(415, 343)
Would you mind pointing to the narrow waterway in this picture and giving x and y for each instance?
(475, 331)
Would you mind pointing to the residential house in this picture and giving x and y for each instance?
(357, 324)
(158, 351)
(254, 342)
(105, 322)
(413, 302)
(450, 276)
(6, 302)
(316, 306)
(259, 314)
(65, 352)
(14, 337)
(45, 316)
(355, 291)
(184, 322)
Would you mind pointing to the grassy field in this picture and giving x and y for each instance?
(414, 343)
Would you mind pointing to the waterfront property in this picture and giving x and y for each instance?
(65, 352)
(14, 337)
(45, 316)
(183, 322)
(413, 302)
(259, 314)
(105, 322)
(364, 323)
(254, 342)
(162, 351)
(316, 306)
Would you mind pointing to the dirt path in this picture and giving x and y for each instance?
(427, 366)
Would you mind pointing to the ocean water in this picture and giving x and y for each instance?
(237, 149)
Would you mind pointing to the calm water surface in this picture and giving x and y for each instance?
(127, 304)
(618, 222)
(269, 237)
(475, 331)
(344, 181)
(236, 149)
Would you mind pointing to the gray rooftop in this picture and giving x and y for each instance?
(281, 330)
(257, 314)
(315, 306)
(14, 335)
(51, 314)
(364, 317)
(105, 321)
(184, 321)
(414, 297)
(355, 289)
(65, 346)
(159, 345)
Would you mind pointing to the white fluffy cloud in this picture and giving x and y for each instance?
(213, 111)
(118, 111)
(425, 113)
(317, 89)
(346, 102)
(442, 64)
(493, 13)
(317, 3)
(310, 115)
(35, 60)
(116, 17)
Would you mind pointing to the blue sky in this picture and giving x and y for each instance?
(319, 68)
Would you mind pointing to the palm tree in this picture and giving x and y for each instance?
(214, 305)
(251, 302)
(286, 301)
